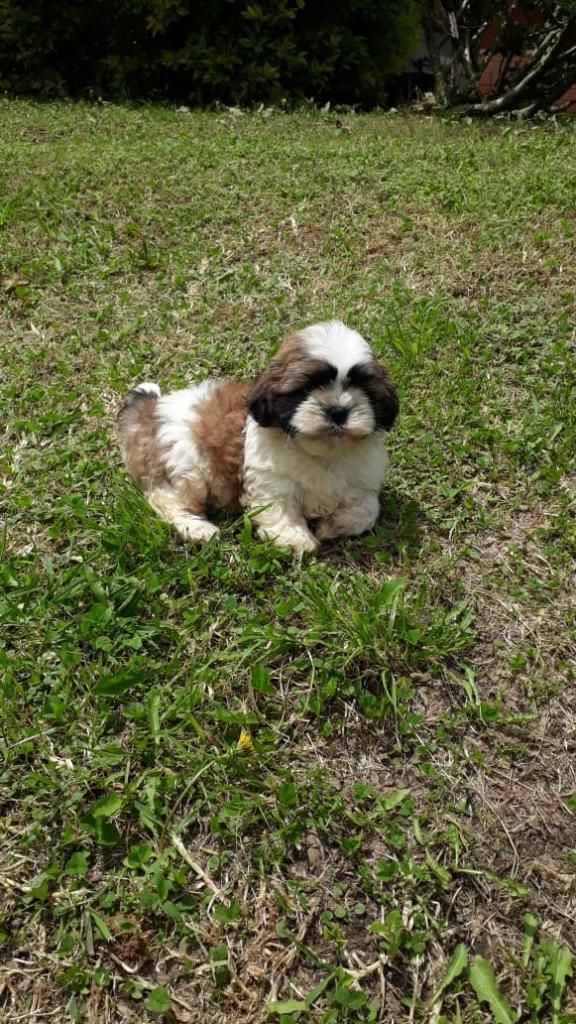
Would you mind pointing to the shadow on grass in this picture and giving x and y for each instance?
(396, 536)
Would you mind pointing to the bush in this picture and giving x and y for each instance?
(201, 51)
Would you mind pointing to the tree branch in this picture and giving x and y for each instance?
(532, 74)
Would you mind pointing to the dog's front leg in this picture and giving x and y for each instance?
(286, 526)
(356, 515)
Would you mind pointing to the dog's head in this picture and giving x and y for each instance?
(325, 389)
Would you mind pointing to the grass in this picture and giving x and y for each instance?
(236, 788)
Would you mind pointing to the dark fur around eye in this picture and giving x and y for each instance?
(276, 409)
(286, 403)
(373, 380)
(359, 376)
(319, 379)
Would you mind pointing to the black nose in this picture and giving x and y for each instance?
(337, 414)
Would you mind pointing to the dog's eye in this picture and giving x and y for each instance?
(299, 394)
(293, 395)
(320, 379)
(359, 376)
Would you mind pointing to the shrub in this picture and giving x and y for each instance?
(200, 51)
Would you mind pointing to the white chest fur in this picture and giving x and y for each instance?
(276, 468)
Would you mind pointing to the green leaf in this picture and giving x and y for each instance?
(219, 954)
(287, 795)
(282, 929)
(172, 910)
(261, 680)
(392, 800)
(99, 614)
(458, 963)
(106, 833)
(106, 806)
(77, 864)
(443, 876)
(162, 884)
(219, 962)
(224, 915)
(116, 685)
(101, 926)
(362, 791)
(516, 888)
(350, 844)
(247, 530)
(289, 1006)
(139, 855)
(484, 984)
(154, 716)
(416, 827)
(557, 969)
(39, 888)
(318, 989)
(158, 1001)
(343, 996)
(530, 929)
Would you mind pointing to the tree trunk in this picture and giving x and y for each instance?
(433, 53)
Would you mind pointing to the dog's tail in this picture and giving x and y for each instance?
(140, 400)
(137, 430)
(137, 427)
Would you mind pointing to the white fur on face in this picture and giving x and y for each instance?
(341, 348)
(336, 344)
(311, 420)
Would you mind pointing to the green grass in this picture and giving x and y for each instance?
(236, 788)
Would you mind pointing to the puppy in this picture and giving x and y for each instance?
(301, 445)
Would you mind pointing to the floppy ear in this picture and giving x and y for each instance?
(383, 396)
(261, 406)
(260, 398)
(282, 375)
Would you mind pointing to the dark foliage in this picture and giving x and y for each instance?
(201, 51)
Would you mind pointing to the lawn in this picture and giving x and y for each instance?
(235, 787)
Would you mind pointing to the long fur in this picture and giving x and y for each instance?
(301, 444)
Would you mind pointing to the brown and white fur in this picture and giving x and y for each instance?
(301, 445)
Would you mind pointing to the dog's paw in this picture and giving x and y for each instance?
(198, 530)
(326, 528)
(301, 542)
(349, 520)
(302, 545)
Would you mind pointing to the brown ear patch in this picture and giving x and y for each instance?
(282, 373)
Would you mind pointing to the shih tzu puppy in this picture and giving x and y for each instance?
(301, 447)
